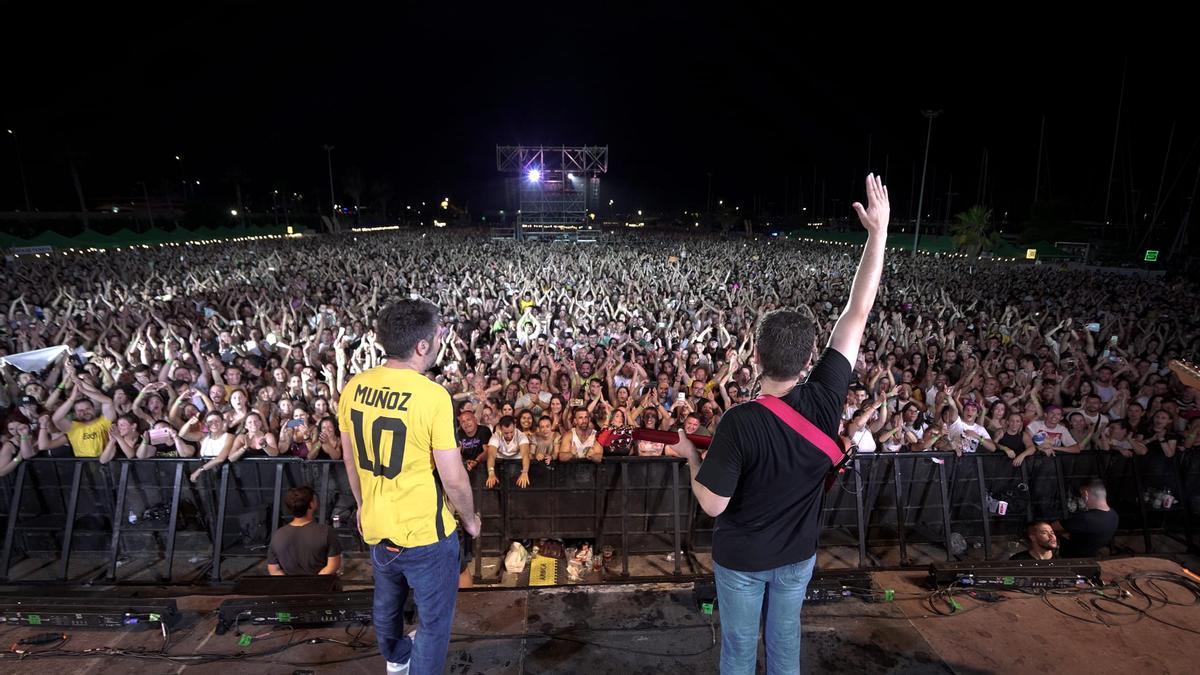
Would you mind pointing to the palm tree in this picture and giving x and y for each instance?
(973, 232)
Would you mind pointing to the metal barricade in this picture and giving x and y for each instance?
(637, 505)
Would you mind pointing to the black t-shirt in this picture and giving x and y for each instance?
(1014, 442)
(774, 478)
(304, 549)
(472, 446)
(1090, 531)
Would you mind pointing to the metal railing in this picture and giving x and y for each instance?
(642, 505)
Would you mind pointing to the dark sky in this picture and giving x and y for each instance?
(420, 100)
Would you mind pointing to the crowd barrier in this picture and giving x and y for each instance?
(149, 510)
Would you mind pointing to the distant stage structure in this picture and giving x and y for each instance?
(554, 190)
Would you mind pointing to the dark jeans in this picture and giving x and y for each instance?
(432, 574)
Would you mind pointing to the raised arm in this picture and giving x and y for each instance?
(847, 333)
(60, 415)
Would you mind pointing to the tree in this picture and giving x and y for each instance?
(973, 232)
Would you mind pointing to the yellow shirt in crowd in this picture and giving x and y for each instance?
(89, 438)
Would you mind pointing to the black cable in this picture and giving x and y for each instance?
(848, 468)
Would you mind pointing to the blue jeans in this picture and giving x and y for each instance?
(432, 574)
(740, 598)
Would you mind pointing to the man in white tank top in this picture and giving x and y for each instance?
(581, 442)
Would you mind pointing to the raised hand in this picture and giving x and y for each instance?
(878, 211)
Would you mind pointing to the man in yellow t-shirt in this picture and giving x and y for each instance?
(403, 465)
(88, 432)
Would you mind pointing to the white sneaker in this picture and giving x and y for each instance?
(402, 668)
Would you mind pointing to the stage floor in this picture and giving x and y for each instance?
(657, 628)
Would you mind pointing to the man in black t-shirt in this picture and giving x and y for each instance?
(303, 546)
(472, 438)
(1088, 531)
(763, 482)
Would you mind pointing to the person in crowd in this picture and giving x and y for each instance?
(508, 444)
(214, 440)
(544, 441)
(16, 446)
(580, 442)
(1050, 435)
(472, 438)
(87, 432)
(255, 440)
(160, 441)
(123, 439)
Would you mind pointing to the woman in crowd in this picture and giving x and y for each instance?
(255, 440)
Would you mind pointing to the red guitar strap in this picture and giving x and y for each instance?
(807, 430)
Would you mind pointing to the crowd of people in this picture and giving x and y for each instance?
(228, 351)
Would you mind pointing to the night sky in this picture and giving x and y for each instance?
(419, 101)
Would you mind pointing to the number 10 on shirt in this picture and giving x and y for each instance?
(381, 424)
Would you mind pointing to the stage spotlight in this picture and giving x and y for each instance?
(534, 175)
(570, 176)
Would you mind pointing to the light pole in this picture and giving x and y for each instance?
(21, 168)
(930, 115)
(332, 199)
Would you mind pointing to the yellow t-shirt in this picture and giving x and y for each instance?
(88, 439)
(396, 418)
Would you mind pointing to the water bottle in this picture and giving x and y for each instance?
(133, 518)
(337, 520)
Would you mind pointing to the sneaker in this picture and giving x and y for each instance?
(670, 557)
(401, 668)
